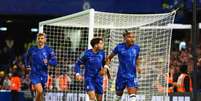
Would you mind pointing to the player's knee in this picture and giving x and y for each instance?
(39, 91)
(92, 98)
(132, 91)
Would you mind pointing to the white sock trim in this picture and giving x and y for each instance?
(132, 97)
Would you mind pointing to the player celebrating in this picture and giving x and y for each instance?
(92, 60)
(128, 53)
(38, 59)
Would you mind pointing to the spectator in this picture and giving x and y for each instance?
(64, 82)
(199, 75)
(182, 45)
(26, 82)
(15, 86)
(170, 81)
(6, 83)
(175, 76)
(184, 82)
(49, 83)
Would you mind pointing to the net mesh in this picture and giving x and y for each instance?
(69, 37)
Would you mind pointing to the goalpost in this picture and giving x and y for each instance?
(70, 35)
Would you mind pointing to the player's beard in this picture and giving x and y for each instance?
(132, 42)
(129, 43)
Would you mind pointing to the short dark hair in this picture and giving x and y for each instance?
(95, 41)
(127, 33)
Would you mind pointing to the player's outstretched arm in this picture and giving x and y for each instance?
(77, 67)
(109, 57)
(138, 64)
(78, 77)
(108, 60)
(81, 61)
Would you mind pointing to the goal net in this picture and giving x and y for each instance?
(70, 35)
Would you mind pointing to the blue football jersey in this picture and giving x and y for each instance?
(127, 59)
(92, 62)
(35, 59)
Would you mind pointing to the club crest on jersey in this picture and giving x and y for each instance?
(44, 54)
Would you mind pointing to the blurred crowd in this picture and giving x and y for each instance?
(16, 77)
(181, 74)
